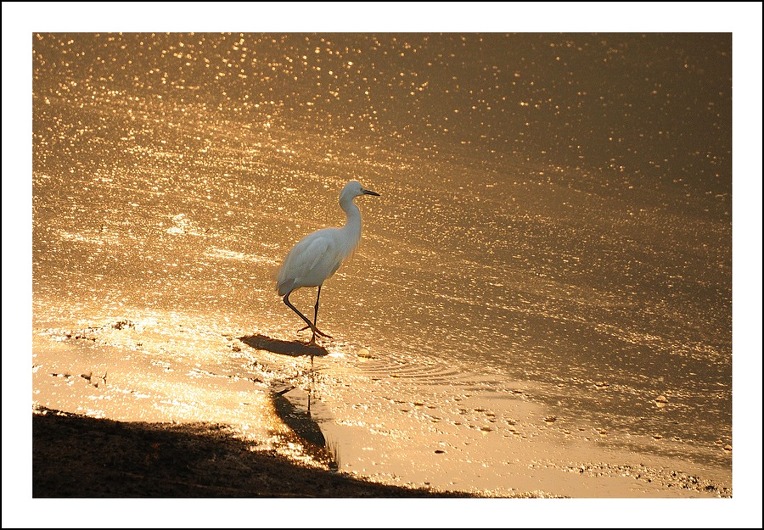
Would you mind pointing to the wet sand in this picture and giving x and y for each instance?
(104, 384)
(95, 437)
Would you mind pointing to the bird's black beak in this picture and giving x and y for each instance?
(369, 192)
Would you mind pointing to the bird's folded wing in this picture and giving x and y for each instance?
(309, 263)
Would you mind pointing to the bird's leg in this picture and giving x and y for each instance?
(293, 308)
(315, 308)
(315, 316)
(315, 312)
(310, 324)
(314, 327)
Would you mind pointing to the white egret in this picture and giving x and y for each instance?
(318, 255)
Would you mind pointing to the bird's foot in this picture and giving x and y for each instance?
(321, 333)
(316, 331)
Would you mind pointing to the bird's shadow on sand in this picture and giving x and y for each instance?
(282, 347)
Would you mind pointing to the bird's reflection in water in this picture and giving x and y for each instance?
(300, 422)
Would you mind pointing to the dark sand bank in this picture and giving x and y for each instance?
(79, 456)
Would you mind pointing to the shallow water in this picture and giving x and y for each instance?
(552, 240)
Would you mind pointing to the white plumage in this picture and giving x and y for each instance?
(317, 256)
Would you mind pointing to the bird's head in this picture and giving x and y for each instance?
(354, 189)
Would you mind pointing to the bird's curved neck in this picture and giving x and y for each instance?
(353, 221)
